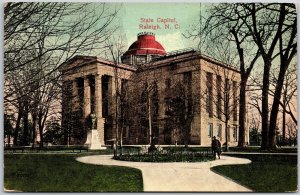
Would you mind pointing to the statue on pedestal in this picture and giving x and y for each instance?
(93, 120)
(93, 136)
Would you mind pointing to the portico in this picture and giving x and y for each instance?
(93, 87)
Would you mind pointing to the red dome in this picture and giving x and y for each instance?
(145, 44)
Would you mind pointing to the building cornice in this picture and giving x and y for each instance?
(94, 59)
(160, 62)
(183, 57)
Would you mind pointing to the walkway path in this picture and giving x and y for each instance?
(179, 177)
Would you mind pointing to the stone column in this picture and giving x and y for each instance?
(87, 108)
(75, 95)
(87, 98)
(247, 138)
(98, 134)
(119, 105)
(98, 95)
(111, 95)
(161, 109)
(74, 109)
(112, 103)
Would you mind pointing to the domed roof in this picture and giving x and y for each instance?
(145, 44)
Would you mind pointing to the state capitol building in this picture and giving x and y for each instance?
(169, 98)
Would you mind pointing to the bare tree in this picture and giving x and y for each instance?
(182, 107)
(292, 131)
(278, 29)
(33, 103)
(288, 97)
(255, 134)
(287, 51)
(116, 47)
(269, 26)
(71, 27)
(148, 95)
(8, 128)
(222, 24)
(144, 102)
(221, 93)
(60, 29)
(38, 38)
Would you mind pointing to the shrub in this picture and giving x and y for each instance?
(167, 156)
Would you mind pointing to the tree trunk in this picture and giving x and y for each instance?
(41, 123)
(25, 126)
(8, 139)
(275, 108)
(117, 115)
(265, 105)
(34, 130)
(285, 104)
(226, 136)
(242, 113)
(122, 124)
(187, 133)
(149, 119)
(41, 126)
(66, 114)
(17, 129)
(42, 138)
(283, 125)
(121, 141)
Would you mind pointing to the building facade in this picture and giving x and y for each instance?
(182, 97)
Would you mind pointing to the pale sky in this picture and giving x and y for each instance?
(185, 15)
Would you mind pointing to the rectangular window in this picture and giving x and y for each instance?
(124, 84)
(168, 108)
(140, 59)
(220, 132)
(167, 96)
(235, 101)
(125, 132)
(227, 98)
(219, 99)
(168, 85)
(210, 130)
(209, 95)
(235, 133)
(228, 133)
(156, 107)
(144, 126)
(172, 66)
(168, 92)
(187, 79)
(156, 131)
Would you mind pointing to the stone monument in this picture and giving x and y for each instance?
(93, 138)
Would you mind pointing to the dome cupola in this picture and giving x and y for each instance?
(143, 49)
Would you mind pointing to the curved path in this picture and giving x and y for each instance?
(178, 176)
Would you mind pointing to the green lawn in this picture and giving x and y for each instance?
(62, 173)
(266, 173)
(257, 149)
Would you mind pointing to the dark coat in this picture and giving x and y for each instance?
(215, 144)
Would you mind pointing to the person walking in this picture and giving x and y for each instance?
(216, 147)
(115, 149)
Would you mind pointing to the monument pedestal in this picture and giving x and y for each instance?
(88, 138)
(93, 140)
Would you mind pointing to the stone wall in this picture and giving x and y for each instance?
(157, 79)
